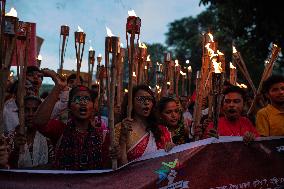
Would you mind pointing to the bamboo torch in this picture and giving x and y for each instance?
(183, 75)
(189, 73)
(91, 62)
(166, 82)
(202, 78)
(9, 29)
(217, 88)
(177, 75)
(147, 67)
(120, 67)
(242, 67)
(64, 35)
(113, 47)
(141, 62)
(21, 87)
(100, 78)
(79, 47)
(266, 73)
(233, 74)
(132, 27)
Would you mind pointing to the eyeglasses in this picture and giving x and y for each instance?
(81, 99)
(143, 99)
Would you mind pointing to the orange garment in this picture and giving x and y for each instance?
(270, 121)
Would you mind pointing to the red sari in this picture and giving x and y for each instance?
(148, 144)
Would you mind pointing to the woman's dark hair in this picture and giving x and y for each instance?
(267, 84)
(163, 102)
(151, 119)
(73, 76)
(35, 98)
(78, 88)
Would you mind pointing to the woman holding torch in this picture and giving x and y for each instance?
(141, 135)
(79, 145)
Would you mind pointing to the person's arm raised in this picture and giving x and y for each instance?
(45, 109)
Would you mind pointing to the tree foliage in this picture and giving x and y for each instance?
(251, 24)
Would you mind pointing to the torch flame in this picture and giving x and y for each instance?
(220, 53)
(232, 66)
(210, 51)
(126, 90)
(274, 45)
(91, 48)
(211, 37)
(234, 50)
(142, 45)
(182, 73)
(148, 58)
(157, 86)
(12, 13)
(189, 68)
(132, 13)
(176, 63)
(80, 29)
(39, 57)
(109, 33)
(134, 74)
(242, 85)
(217, 66)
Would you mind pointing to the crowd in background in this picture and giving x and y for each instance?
(66, 128)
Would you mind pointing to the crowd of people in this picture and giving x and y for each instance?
(65, 128)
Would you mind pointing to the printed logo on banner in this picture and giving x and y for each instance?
(280, 149)
(167, 171)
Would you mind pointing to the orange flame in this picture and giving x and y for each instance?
(232, 66)
(176, 63)
(242, 85)
(132, 13)
(217, 66)
(39, 57)
(189, 68)
(12, 13)
(142, 45)
(211, 37)
(210, 51)
(109, 33)
(148, 58)
(234, 50)
(91, 48)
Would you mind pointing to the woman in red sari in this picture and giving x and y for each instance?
(140, 135)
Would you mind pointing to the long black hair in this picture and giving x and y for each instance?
(151, 119)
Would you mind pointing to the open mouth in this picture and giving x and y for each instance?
(83, 110)
(232, 111)
(146, 109)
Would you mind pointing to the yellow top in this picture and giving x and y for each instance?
(270, 121)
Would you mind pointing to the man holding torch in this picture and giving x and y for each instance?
(233, 123)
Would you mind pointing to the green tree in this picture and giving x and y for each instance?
(251, 24)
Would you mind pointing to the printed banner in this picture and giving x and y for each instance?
(227, 163)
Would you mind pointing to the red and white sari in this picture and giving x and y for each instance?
(147, 144)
